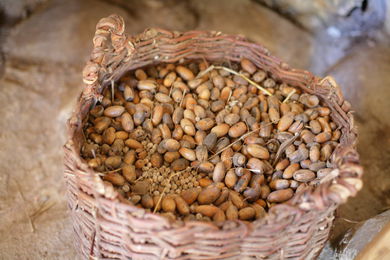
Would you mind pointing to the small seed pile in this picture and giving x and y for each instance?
(211, 143)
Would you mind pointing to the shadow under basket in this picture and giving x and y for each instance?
(106, 227)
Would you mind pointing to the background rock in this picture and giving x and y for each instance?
(33, 99)
(358, 237)
(260, 24)
(315, 15)
(387, 20)
(365, 81)
(61, 31)
(335, 25)
(14, 11)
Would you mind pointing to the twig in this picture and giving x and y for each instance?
(289, 95)
(283, 147)
(204, 72)
(116, 170)
(246, 78)
(205, 61)
(112, 91)
(239, 139)
(251, 170)
(42, 209)
(230, 95)
(254, 170)
(165, 188)
(181, 101)
(170, 92)
(349, 221)
(247, 126)
(24, 209)
(140, 178)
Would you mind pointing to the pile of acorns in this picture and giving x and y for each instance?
(195, 141)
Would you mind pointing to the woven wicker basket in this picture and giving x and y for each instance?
(108, 227)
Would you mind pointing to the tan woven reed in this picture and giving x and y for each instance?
(108, 227)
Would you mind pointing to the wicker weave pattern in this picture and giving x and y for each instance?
(107, 226)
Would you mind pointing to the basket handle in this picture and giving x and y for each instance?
(109, 42)
(348, 171)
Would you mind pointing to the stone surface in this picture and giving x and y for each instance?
(387, 20)
(54, 27)
(34, 99)
(362, 235)
(350, 16)
(65, 28)
(16, 10)
(261, 25)
(169, 14)
(364, 79)
(45, 54)
(336, 25)
(379, 247)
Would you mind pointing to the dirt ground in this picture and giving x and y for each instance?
(44, 47)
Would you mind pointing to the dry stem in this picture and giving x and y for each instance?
(289, 95)
(181, 101)
(239, 139)
(116, 170)
(170, 92)
(140, 178)
(202, 73)
(230, 95)
(283, 147)
(42, 209)
(112, 91)
(246, 78)
(349, 221)
(24, 209)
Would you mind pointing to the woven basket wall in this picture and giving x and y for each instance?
(108, 227)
